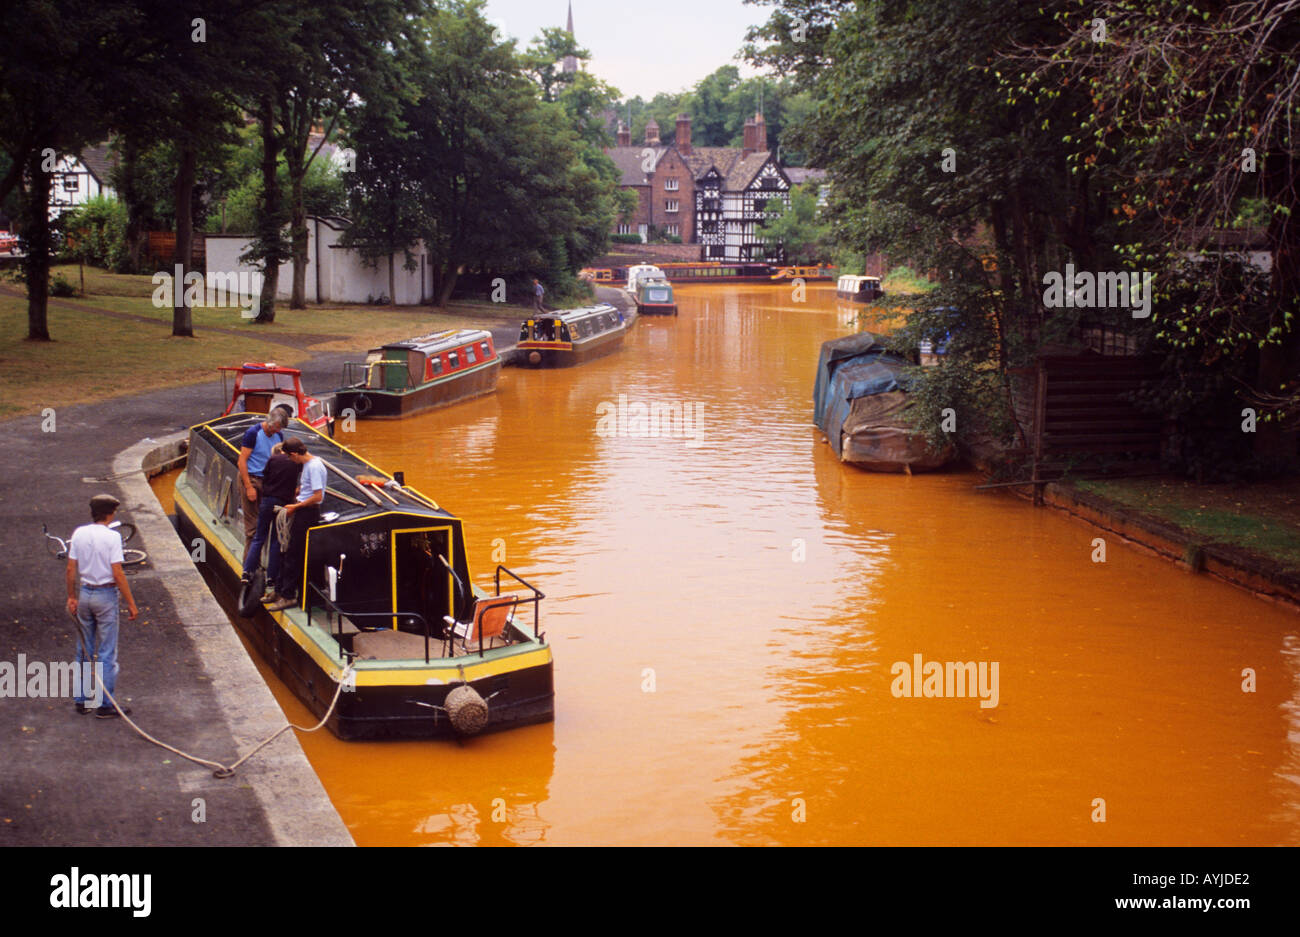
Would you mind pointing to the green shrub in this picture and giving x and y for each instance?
(95, 233)
(625, 238)
(61, 287)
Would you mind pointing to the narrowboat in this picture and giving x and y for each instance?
(432, 370)
(803, 272)
(387, 612)
(259, 387)
(655, 298)
(857, 289)
(860, 403)
(570, 336)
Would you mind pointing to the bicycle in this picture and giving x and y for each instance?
(58, 547)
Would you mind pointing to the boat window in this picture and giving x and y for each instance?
(487, 350)
(435, 366)
(469, 354)
(453, 361)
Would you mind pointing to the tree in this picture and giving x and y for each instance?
(796, 231)
(543, 61)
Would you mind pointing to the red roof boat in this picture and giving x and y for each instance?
(262, 386)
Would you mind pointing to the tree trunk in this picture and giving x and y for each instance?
(36, 235)
(298, 231)
(447, 283)
(182, 315)
(270, 220)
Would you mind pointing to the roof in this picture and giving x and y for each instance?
(736, 169)
(568, 315)
(99, 160)
(628, 159)
(437, 341)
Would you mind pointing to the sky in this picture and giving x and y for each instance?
(638, 46)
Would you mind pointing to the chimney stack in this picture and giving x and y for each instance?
(684, 134)
(652, 133)
(750, 138)
(760, 133)
(624, 135)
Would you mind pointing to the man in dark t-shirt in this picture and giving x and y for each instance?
(279, 487)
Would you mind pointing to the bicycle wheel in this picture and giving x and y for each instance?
(126, 530)
(132, 556)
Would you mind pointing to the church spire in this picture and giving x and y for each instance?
(570, 63)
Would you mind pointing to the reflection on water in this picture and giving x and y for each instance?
(725, 611)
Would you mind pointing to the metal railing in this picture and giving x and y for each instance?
(538, 595)
(331, 607)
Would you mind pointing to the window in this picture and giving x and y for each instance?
(769, 182)
(487, 352)
(674, 229)
(71, 183)
(435, 366)
(709, 227)
(760, 204)
(717, 250)
(469, 354)
(671, 185)
(712, 204)
(625, 229)
(453, 361)
(671, 205)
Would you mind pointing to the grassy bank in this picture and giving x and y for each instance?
(1262, 517)
(95, 356)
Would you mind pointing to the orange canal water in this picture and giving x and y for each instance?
(725, 608)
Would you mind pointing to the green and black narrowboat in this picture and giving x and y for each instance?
(417, 374)
(570, 336)
(386, 592)
(652, 291)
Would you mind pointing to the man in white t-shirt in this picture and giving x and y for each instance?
(95, 557)
(304, 513)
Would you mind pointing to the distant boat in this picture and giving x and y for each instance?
(260, 387)
(858, 289)
(570, 336)
(859, 402)
(432, 370)
(654, 296)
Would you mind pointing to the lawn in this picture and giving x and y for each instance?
(1263, 517)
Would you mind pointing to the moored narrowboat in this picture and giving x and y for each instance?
(432, 370)
(858, 289)
(260, 387)
(654, 297)
(570, 336)
(387, 610)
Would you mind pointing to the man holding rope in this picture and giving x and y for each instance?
(95, 555)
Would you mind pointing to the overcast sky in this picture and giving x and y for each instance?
(641, 47)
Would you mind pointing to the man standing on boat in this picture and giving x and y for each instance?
(254, 449)
(95, 557)
(279, 488)
(538, 291)
(303, 513)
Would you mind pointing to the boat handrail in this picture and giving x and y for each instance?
(538, 595)
(330, 606)
(350, 374)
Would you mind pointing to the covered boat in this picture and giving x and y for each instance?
(654, 297)
(858, 289)
(260, 387)
(432, 370)
(387, 611)
(859, 402)
(570, 336)
(640, 272)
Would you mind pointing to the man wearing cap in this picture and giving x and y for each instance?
(254, 449)
(304, 513)
(95, 557)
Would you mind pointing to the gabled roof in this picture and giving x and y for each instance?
(99, 161)
(628, 160)
(737, 170)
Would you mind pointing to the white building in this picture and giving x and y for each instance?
(78, 179)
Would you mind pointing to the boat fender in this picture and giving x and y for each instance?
(467, 710)
(534, 357)
(362, 404)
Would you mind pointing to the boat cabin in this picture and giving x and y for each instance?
(570, 336)
(858, 289)
(639, 272)
(404, 377)
(261, 387)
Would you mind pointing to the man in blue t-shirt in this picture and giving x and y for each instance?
(303, 513)
(254, 449)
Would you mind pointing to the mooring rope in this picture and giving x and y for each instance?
(220, 770)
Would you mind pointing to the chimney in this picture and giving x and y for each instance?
(750, 139)
(652, 133)
(760, 133)
(624, 135)
(684, 134)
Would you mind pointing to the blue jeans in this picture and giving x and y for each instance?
(97, 610)
(265, 521)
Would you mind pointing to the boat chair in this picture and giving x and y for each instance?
(488, 616)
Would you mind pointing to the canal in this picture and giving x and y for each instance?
(726, 602)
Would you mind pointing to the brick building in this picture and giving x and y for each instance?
(713, 196)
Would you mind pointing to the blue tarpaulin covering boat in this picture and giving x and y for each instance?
(858, 402)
